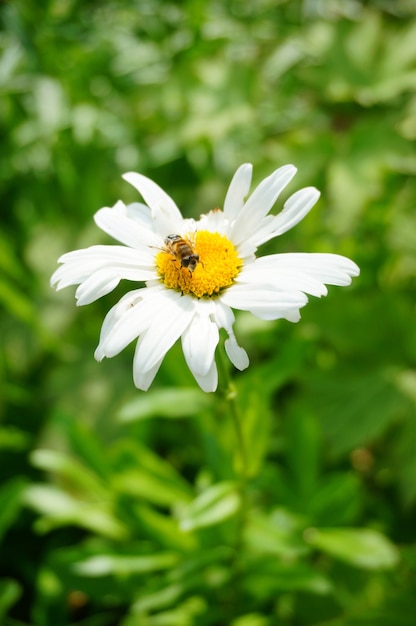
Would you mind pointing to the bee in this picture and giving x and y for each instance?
(183, 251)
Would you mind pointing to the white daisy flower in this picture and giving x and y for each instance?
(197, 271)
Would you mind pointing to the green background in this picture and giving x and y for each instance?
(124, 508)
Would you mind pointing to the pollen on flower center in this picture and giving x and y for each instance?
(218, 265)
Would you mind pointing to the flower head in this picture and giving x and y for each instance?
(196, 271)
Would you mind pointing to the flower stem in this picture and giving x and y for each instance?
(242, 470)
(230, 395)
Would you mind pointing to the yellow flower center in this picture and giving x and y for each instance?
(215, 270)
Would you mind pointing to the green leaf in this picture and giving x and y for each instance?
(13, 439)
(266, 577)
(213, 506)
(140, 483)
(70, 471)
(278, 533)
(10, 503)
(10, 591)
(363, 548)
(141, 473)
(115, 565)
(337, 501)
(256, 424)
(163, 528)
(303, 455)
(85, 444)
(159, 599)
(251, 619)
(356, 409)
(17, 303)
(183, 615)
(60, 509)
(168, 402)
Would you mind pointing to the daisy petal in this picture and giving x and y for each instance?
(132, 315)
(266, 303)
(238, 190)
(199, 342)
(237, 355)
(79, 265)
(294, 210)
(332, 269)
(166, 215)
(292, 315)
(113, 316)
(99, 269)
(215, 222)
(209, 381)
(140, 213)
(95, 286)
(299, 272)
(224, 316)
(225, 319)
(283, 281)
(128, 224)
(260, 202)
(109, 255)
(143, 380)
(169, 321)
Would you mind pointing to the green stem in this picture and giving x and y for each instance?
(230, 395)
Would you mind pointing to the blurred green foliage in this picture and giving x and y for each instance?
(124, 508)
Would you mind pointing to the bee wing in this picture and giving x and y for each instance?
(191, 238)
(160, 248)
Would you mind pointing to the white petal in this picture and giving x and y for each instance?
(131, 316)
(140, 213)
(79, 265)
(238, 190)
(224, 316)
(188, 227)
(97, 285)
(209, 381)
(215, 222)
(143, 380)
(102, 282)
(109, 255)
(283, 277)
(246, 250)
(237, 355)
(126, 224)
(294, 210)
(198, 343)
(332, 269)
(225, 319)
(260, 203)
(285, 280)
(99, 269)
(169, 321)
(265, 303)
(166, 215)
(292, 315)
